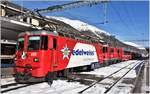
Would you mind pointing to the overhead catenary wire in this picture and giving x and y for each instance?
(121, 20)
(130, 19)
(135, 28)
(78, 16)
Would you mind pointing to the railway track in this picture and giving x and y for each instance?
(11, 85)
(108, 88)
(8, 85)
(15, 86)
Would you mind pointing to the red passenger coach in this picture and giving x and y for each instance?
(126, 56)
(120, 51)
(41, 54)
(106, 54)
(112, 55)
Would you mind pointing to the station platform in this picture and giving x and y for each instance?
(7, 72)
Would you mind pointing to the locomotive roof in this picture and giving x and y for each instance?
(39, 32)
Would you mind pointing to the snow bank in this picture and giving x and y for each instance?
(79, 25)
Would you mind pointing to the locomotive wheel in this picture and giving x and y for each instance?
(92, 66)
(105, 64)
(110, 62)
(102, 65)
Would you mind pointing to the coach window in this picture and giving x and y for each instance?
(104, 49)
(125, 52)
(44, 42)
(118, 51)
(112, 50)
(54, 43)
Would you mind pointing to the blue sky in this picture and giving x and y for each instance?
(127, 20)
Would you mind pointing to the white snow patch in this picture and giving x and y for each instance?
(107, 81)
(125, 85)
(145, 88)
(79, 25)
(120, 90)
(131, 74)
(58, 87)
(105, 71)
(7, 81)
(97, 89)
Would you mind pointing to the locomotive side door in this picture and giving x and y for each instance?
(54, 55)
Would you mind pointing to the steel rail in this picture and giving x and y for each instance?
(10, 89)
(108, 89)
(7, 85)
(104, 78)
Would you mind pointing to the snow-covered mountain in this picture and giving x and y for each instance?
(79, 25)
(135, 45)
(82, 26)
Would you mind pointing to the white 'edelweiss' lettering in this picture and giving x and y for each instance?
(82, 52)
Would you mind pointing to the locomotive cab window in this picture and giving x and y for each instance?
(44, 42)
(34, 43)
(20, 43)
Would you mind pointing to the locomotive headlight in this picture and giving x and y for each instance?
(15, 58)
(36, 60)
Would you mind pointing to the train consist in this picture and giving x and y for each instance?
(42, 54)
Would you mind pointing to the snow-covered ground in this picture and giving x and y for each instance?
(7, 81)
(64, 87)
(119, 88)
(58, 87)
(105, 71)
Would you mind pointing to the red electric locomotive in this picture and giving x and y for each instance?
(40, 54)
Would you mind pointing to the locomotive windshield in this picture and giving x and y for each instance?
(20, 44)
(34, 43)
